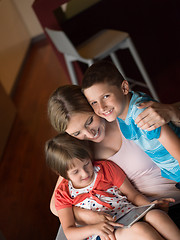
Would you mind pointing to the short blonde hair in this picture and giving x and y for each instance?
(64, 102)
(62, 149)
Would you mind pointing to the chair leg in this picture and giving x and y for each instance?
(119, 67)
(90, 62)
(71, 71)
(117, 63)
(141, 68)
(60, 234)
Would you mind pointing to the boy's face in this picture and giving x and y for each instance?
(109, 101)
(81, 173)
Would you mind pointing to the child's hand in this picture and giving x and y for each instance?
(163, 203)
(109, 237)
(106, 230)
(102, 217)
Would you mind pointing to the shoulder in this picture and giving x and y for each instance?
(63, 186)
(104, 163)
(110, 173)
(109, 167)
(136, 99)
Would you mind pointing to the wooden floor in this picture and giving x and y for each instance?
(25, 182)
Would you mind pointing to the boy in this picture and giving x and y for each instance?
(109, 95)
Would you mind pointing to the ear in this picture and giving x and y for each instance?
(125, 87)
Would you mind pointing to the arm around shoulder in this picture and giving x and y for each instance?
(175, 113)
(158, 114)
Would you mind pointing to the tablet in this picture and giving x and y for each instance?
(134, 215)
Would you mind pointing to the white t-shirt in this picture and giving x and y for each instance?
(143, 173)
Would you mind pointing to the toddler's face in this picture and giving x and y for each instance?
(108, 101)
(81, 173)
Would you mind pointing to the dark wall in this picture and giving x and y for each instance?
(154, 27)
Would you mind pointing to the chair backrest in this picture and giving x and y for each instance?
(62, 42)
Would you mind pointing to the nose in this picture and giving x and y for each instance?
(84, 173)
(102, 106)
(89, 132)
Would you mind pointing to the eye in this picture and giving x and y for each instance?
(106, 96)
(75, 172)
(89, 121)
(93, 103)
(76, 134)
(86, 164)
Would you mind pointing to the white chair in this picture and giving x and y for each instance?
(60, 235)
(105, 43)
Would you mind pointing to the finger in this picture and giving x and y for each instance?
(112, 237)
(143, 115)
(145, 104)
(147, 122)
(102, 237)
(108, 227)
(169, 199)
(152, 127)
(166, 200)
(115, 224)
(108, 218)
(118, 224)
(105, 217)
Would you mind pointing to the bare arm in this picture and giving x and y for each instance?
(158, 114)
(170, 141)
(132, 194)
(139, 200)
(52, 203)
(103, 229)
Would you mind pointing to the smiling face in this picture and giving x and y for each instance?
(108, 101)
(81, 173)
(86, 126)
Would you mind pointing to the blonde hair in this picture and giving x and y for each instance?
(64, 102)
(62, 149)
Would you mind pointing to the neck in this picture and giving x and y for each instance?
(124, 112)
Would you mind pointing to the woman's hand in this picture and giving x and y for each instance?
(163, 203)
(157, 114)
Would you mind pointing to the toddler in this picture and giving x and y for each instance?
(100, 186)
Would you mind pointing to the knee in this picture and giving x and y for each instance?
(140, 228)
(154, 214)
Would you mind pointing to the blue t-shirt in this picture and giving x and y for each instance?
(148, 140)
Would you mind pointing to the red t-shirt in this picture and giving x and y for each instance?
(109, 175)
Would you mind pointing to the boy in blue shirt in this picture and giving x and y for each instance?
(109, 95)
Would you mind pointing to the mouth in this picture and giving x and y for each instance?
(85, 179)
(97, 134)
(107, 113)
